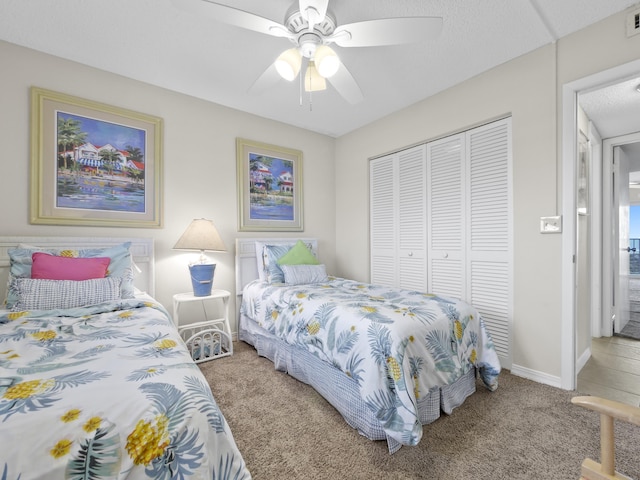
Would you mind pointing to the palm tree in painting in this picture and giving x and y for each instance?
(109, 159)
(134, 174)
(69, 136)
(135, 153)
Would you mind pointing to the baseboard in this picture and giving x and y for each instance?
(583, 359)
(536, 376)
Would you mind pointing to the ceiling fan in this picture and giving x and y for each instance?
(311, 27)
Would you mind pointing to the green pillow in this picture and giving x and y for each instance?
(299, 254)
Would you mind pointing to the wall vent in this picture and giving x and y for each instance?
(633, 22)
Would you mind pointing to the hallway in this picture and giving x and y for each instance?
(613, 371)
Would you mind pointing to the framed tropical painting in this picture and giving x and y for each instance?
(269, 187)
(93, 164)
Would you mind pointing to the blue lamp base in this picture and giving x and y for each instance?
(202, 278)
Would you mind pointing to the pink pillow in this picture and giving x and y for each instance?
(51, 267)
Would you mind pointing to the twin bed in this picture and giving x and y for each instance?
(388, 360)
(95, 381)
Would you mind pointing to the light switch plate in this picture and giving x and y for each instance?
(551, 224)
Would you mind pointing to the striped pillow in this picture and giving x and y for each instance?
(38, 294)
(301, 274)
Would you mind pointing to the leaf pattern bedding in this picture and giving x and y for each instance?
(107, 391)
(396, 344)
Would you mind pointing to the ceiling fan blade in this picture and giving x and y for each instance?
(387, 31)
(234, 16)
(269, 78)
(346, 85)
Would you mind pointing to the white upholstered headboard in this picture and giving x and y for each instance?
(246, 261)
(141, 251)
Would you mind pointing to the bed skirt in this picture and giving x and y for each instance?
(341, 391)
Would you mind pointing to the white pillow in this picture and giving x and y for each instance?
(38, 294)
(303, 274)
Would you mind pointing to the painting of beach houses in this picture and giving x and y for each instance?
(100, 165)
(271, 188)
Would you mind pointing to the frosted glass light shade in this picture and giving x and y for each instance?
(288, 64)
(326, 61)
(313, 81)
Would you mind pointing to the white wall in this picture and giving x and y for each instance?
(199, 163)
(528, 89)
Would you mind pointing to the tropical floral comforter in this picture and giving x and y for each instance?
(396, 344)
(107, 391)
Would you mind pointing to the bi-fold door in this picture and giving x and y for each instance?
(441, 221)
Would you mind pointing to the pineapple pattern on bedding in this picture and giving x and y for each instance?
(396, 344)
(107, 391)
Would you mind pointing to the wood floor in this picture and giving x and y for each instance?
(613, 371)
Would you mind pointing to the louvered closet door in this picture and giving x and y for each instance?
(382, 201)
(489, 277)
(412, 220)
(446, 216)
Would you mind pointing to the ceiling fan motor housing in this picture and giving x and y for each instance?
(296, 22)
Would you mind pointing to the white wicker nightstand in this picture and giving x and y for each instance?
(210, 338)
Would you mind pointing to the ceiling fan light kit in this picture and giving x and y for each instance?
(313, 81)
(288, 64)
(311, 28)
(326, 61)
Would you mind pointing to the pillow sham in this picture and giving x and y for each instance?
(120, 265)
(273, 272)
(51, 267)
(303, 274)
(299, 254)
(39, 294)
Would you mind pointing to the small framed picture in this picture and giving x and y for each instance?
(269, 187)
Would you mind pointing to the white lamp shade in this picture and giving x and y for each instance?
(288, 64)
(201, 235)
(326, 61)
(313, 82)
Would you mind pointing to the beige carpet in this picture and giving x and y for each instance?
(524, 430)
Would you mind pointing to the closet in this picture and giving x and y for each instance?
(441, 221)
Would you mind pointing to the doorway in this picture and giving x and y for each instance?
(573, 356)
(621, 260)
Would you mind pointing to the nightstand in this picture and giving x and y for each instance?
(211, 337)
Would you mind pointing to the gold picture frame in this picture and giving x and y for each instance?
(93, 164)
(269, 187)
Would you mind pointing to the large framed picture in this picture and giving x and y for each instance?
(269, 187)
(93, 164)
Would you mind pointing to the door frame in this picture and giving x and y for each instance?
(609, 242)
(569, 150)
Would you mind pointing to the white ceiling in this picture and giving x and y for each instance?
(154, 42)
(615, 109)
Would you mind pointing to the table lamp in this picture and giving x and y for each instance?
(201, 235)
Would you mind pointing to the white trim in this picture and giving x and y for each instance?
(584, 358)
(569, 133)
(569, 152)
(536, 376)
(596, 231)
